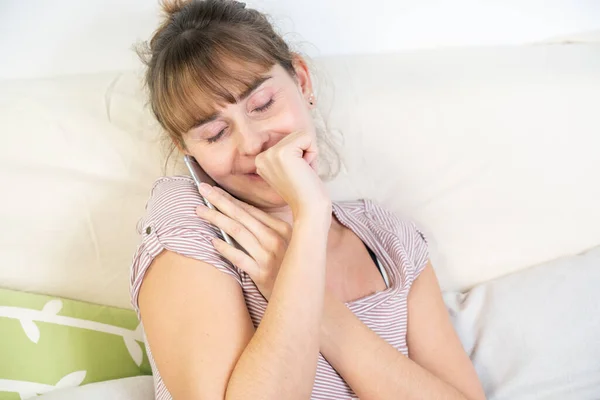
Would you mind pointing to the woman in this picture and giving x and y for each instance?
(331, 300)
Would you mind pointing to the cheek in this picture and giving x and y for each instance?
(217, 163)
(294, 116)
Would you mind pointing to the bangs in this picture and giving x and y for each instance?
(201, 75)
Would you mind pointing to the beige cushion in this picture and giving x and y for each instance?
(491, 151)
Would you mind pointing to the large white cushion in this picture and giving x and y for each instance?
(74, 185)
(492, 151)
(534, 334)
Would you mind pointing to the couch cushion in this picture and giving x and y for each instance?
(50, 343)
(535, 334)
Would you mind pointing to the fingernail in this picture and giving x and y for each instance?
(200, 210)
(204, 188)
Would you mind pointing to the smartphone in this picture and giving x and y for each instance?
(200, 176)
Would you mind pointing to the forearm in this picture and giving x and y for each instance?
(372, 367)
(280, 360)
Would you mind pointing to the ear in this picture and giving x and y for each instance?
(302, 76)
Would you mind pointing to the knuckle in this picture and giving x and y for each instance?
(239, 261)
(270, 257)
(287, 231)
(281, 247)
(279, 243)
(272, 242)
(236, 228)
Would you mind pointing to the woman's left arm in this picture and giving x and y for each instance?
(437, 366)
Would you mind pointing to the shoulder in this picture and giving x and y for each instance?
(408, 237)
(170, 223)
(172, 202)
(390, 220)
(171, 209)
(172, 183)
(172, 196)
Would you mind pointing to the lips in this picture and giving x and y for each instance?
(254, 176)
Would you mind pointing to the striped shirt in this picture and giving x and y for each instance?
(171, 223)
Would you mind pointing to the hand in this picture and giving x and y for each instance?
(263, 236)
(289, 167)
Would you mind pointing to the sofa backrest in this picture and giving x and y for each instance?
(493, 153)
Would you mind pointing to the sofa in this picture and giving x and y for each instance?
(493, 152)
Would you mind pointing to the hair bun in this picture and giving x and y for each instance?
(170, 7)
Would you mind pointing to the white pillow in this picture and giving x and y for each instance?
(535, 334)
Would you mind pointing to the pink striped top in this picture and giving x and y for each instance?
(171, 223)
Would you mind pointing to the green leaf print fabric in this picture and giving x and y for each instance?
(48, 343)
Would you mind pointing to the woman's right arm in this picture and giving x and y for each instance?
(201, 336)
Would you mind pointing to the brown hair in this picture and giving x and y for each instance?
(205, 53)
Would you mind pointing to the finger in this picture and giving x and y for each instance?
(232, 227)
(282, 228)
(307, 146)
(310, 157)
(315, 165)
(307, 142)
(298, 142)
(223, 201)
(278, 225)
(236, 257)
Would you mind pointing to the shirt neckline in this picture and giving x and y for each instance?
(349, 220)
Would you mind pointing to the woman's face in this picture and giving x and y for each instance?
(226, 145)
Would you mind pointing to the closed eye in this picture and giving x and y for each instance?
(259, 109)
(265, 107)
(216, 137)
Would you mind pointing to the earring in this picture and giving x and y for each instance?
(311, 99)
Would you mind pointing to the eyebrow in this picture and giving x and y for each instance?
(247, 92)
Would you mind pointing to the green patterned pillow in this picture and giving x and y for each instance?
(48, 343)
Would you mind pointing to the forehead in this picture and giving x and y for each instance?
(198, 91)
(240, 89)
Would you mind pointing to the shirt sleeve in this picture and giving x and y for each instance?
(409, 248)
(419, 249)
(171, 223)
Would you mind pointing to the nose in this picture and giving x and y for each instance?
(251, 140)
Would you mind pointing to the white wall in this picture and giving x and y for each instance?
(44, 38)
